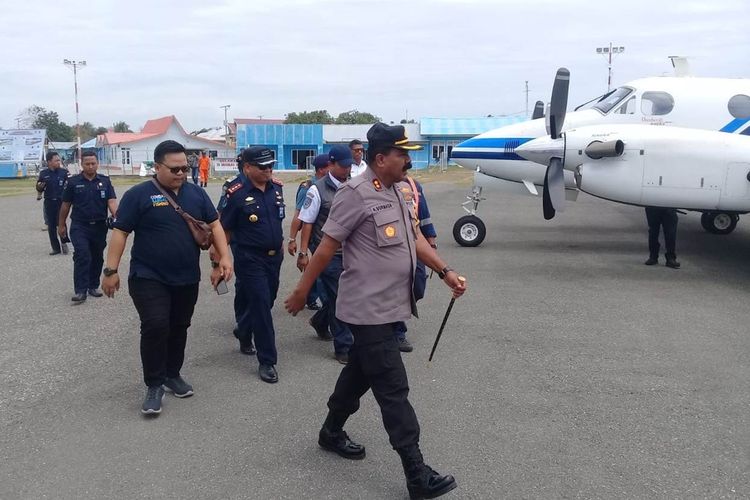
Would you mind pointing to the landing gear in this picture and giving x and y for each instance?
(469, 230)
(719, 222)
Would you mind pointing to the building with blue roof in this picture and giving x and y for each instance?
(296, 145)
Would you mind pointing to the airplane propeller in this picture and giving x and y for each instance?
(553, 197)
(538, 110)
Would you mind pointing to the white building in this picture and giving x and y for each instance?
(129, 149)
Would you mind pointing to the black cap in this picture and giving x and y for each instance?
(394, 136)
(258, 155)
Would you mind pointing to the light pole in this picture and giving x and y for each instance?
(607, 52)
(75, 65)
(226, 124)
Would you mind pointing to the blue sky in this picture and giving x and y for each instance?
(148, 59)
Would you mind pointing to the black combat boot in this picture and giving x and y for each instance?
(421, 480)
(672, 262)
(333, 438)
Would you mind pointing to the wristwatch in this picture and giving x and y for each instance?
(302, 254)
(292, 240)
(109, 272)
(444, 271)
(214, 264)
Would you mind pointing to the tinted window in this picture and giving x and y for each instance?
(611, 100)
(739, 106)
(628, 108)
(656, 103)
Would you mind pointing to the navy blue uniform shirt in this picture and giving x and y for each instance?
(423, 214)
(223, 199)
(164, 249)
(55, 182)
(88, 197)
(254, 217)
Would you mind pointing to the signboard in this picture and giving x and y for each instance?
(18, 145)
(225, 164)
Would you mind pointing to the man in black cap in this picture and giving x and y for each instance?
(252, 217)
(52, 182)
(371, 219)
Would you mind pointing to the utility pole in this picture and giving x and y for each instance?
(75, 65)
(607, 52)
(527, 99)
(226, 124)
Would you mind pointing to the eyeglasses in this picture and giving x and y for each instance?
(176, 170)
(358, 150)
(263, 167)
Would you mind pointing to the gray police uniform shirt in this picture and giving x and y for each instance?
(376, 228)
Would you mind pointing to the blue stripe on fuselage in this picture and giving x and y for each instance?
(484, 155)
(494, 142)
(734, 125)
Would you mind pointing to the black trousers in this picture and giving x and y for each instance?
(51, 213)
(165, 313)
(88, 241)
(375, 363)
(666, 218)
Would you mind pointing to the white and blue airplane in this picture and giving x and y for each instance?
(678, 142)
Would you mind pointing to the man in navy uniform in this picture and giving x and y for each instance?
(51, 182)
(372, 220)
(240, 302)
(666, 219)
(90, 194)
(252, 218)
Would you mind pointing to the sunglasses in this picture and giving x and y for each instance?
(358, 150)
(263, 167)
(176, 170)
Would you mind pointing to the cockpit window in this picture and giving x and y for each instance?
(628, 108)
(739, 106)
(656, 103)
(609, 101)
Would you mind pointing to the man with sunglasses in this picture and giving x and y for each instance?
(252, 217)
(164, 267)
(358, 153)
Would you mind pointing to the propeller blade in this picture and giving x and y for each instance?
(538, 110)
(553, 198)
(559, 102)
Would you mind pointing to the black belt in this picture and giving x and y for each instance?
(262, 251)
(90, 222)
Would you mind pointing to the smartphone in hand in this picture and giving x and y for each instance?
(221, 287)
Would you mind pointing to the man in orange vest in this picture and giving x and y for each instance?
(204, 164)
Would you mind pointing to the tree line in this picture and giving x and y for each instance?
(38, 117)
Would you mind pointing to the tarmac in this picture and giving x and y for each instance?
(568, 370)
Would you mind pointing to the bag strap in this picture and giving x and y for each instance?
(174, 204)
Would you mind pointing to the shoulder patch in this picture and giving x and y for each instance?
(277, 181)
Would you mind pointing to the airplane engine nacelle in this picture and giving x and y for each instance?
(612, 179)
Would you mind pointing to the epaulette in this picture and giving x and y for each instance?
(277, 181)
(229, 182)
(233, 188)
(305, 184)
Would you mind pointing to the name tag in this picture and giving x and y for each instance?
(380, 208)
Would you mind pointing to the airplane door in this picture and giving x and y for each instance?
(737, 186)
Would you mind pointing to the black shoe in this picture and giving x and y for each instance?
(179, 387)
(79, 298)
(322, 332)
(652, 261)
(340, 444)
(421, 480)
(342, 357)
(95, 292)
(247, 348)
(268, 374)
(152, 401)
(673, 263)
(64, 248)
(404, 345)
(314, 306)
(55, 252)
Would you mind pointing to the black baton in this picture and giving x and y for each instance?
(445, 320)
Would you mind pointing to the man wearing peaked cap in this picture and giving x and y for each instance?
(373, 223)
(253, 218)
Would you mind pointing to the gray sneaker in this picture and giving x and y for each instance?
(404, 345)
(179, 387)
(152, 401)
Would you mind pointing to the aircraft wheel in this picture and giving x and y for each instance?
(469, 231)
(719, 222)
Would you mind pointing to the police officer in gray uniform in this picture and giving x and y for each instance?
(372, 221)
